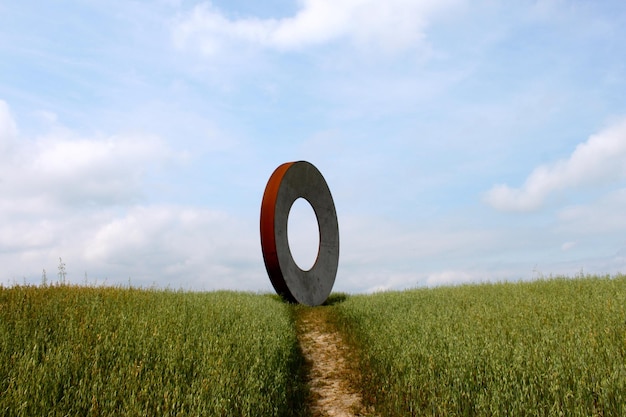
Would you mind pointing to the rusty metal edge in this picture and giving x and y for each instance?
(268, 237)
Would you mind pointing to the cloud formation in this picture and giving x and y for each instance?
(192, 247)
(397, 102)
(64, 195)
(58, 169)
(8, 129)
(393, 24)
(599, 160)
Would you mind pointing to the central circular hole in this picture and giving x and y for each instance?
(303, 234)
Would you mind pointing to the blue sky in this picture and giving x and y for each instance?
(462, 141)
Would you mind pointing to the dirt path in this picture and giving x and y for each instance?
(326, 356)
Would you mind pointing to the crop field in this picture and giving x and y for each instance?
(545, 348)
(110, 351)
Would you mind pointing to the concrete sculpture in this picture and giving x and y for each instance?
(290, 181)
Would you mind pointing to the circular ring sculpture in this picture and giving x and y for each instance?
(290, 181)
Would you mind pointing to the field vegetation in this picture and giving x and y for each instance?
(89, 351)
(547, 348)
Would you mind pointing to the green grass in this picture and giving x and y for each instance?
(68, 350)
(546, 348)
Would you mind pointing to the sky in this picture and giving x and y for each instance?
(463, 141)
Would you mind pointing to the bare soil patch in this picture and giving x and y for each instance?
(330, 372)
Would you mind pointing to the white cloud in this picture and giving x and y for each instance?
(188, 247)
(166, 245)
(67, 196)
(380, 254)
(8, 128)
(64, 195)
(393, 24)
(599, 160)
(106, 170)
(61, 168)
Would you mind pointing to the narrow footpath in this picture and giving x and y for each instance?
(326, 355)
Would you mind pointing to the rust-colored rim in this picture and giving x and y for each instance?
(268, 238)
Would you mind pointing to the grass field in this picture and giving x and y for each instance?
(545, 348)
(68, 350)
